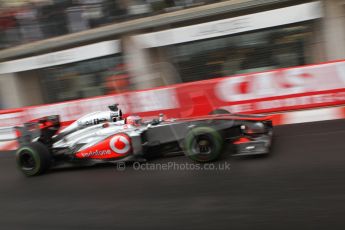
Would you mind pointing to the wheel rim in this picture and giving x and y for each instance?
(202, 145)
(27, 160)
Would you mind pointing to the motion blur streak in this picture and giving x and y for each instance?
(300, 185)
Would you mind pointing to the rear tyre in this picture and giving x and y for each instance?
(203, 144)
(219, 111)
(33, 159)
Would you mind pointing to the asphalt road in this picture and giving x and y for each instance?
(300, 186)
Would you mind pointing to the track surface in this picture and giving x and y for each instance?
(300, 186)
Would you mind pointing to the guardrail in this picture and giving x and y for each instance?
(7, 134)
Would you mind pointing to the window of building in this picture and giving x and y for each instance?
(84, 79)
(244, 53)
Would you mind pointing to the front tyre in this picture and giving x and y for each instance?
(33, 159)
(203, 144)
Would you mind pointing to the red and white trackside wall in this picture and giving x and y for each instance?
(308, 93)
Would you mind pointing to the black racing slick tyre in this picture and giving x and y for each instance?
(203, 144)
(219, 111)
(33, 159)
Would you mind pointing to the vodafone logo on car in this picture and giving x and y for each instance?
(112, 147)
(120, 143)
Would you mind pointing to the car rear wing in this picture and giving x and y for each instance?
(42, 129)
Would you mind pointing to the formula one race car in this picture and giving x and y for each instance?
(108, 137)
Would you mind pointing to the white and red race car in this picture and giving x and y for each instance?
(106, 136)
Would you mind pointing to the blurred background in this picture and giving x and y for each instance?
(60, 50)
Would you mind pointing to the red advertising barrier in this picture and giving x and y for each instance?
(294, 95)
(274, 91)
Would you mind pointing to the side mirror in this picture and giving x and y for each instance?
(154, 122)
(161, 117)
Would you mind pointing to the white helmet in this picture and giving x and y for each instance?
(134, 120)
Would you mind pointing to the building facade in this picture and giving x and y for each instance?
(210, 41)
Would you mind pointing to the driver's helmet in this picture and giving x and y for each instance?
(133, 120)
